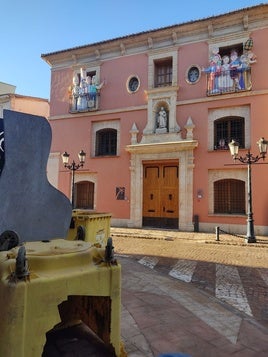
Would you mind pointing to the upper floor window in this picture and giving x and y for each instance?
(229, 196)
(106, 142)
(133, 84)
(84, 92)
(226, 129)
(163, 72)
(229, 68)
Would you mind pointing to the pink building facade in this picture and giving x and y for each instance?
(154, 112)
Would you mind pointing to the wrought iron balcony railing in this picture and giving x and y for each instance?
(228, 81)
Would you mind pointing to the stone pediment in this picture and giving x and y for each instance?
(162, 147)
(160, 138)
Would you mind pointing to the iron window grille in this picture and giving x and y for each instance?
(229, 196)
(227, 129)
(106, 142)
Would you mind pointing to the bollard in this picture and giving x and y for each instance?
(217, 234)
(196, 223)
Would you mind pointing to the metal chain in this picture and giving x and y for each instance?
(238, 236)
(231, 234)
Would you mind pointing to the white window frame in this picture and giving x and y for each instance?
(107, 124)
(162, 56)
(214, 114)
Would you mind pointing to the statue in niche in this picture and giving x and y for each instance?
(162, 119)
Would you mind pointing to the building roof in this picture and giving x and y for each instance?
(148, 32)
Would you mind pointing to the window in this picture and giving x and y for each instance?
(84, 92)
(193, 74)
(229, 196)
(229, 69)
(133, 84)
(226, 129)
(163, 72)
(106, 142)
(84, 192)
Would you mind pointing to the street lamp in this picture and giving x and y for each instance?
(248, 160)
(73, 166)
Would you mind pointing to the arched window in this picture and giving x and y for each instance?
(84, 195)
(226, 129)
(106, 142)
(229, 196)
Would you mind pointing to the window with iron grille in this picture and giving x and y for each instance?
(106, 142)
(229, 196)
(84, 195)
(228, 129)
(163, 72)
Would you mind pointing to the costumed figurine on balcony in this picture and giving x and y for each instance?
(244, 77)
(82, 99)
(225, 81)
(74, 93)
(93, 89)
(234, 68)
(214, 70)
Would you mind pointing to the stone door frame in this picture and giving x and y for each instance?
(182, 152)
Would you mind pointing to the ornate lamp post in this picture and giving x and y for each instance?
(248, 160)
(73, 166)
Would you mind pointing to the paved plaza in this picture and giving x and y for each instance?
(202, 298)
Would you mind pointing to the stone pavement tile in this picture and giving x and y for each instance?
(253, 336)
(173, 316)
(175, 330)
(191, 345)
(135, 343)
(249, 353)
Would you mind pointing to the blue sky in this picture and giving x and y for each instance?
(30, 28)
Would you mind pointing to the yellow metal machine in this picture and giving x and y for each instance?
(50, 285)
(90, 226)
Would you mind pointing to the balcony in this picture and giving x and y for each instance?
(228, 81)
(83, 103)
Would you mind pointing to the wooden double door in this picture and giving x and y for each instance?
(160, 195)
